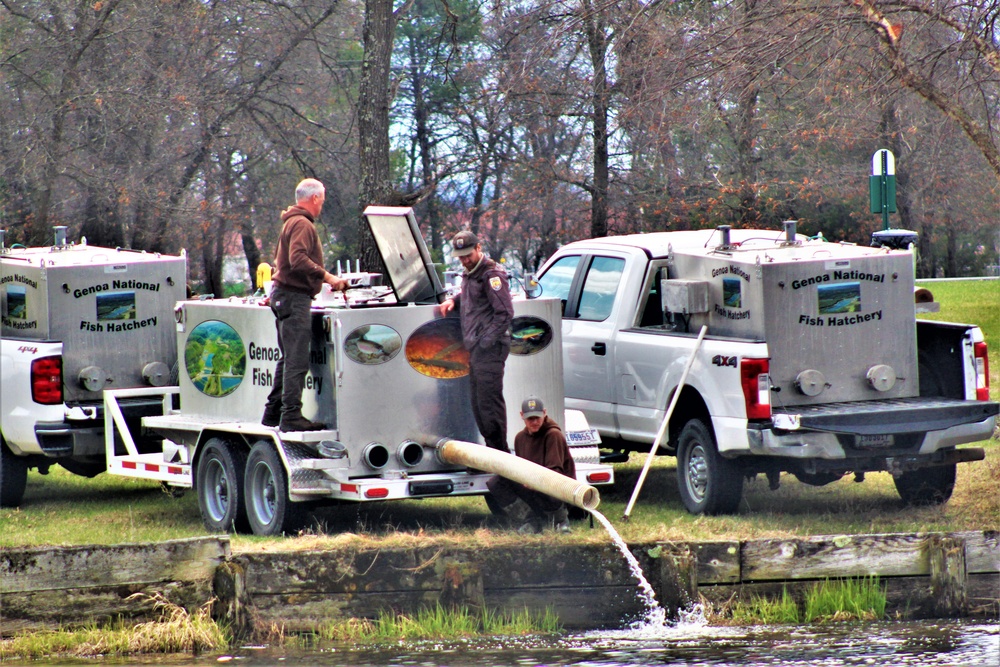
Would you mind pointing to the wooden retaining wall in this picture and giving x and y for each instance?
(587, 586)
(49, 587)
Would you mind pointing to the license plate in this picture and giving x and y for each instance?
(874, 441)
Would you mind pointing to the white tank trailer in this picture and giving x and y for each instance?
(823, 311)
(76, 320)
(388, 375)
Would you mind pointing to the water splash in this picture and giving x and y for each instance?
(656, 616)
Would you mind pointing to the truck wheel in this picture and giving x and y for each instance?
(926, 486)
(708, 483)
(221, 498)
(13, 477)
(268, 508)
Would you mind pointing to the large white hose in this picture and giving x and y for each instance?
(516, 469)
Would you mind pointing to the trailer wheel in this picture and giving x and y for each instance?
(221, 498)
(926, 486)
(268, 508)
(708, 483)
(13, 476)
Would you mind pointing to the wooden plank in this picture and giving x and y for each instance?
(982, 551)
(718, 561)
(948, 576)
(406, 569)
(74, 607)
(839, 556)
(983, 591)
(568, 566)
(62, 568)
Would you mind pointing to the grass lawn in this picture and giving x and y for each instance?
(63, 509)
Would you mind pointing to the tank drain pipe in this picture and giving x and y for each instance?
(666, 420)
(522, 471)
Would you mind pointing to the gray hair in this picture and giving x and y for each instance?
(308, 188)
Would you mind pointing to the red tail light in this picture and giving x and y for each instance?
(598, 477)
(377, 492)
(982, 372)
(756, 387)
(46, 380)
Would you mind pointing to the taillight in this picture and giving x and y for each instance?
(982, 372)
(46, 380)
(599, 477)
(756, 387)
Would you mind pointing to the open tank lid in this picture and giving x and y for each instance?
(407, 261)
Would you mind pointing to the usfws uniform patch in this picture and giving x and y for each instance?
(495, 283)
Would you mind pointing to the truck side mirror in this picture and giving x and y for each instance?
(532, 288)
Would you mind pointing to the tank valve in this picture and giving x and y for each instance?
(93, 378)
(156, 374)
(810, 382)
(881, 377)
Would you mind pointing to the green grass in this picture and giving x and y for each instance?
(830, 600)
(849, 599)
(976, 302)
(758, 610)
(438, 623)
(175, 631)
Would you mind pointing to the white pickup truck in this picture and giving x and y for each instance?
(811, 362)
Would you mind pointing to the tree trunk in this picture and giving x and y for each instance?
(373, 118)
(598, 45)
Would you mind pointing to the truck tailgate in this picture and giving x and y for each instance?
(899, 415)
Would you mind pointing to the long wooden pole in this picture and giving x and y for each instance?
(663, 424)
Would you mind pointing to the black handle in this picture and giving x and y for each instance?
(600, 349)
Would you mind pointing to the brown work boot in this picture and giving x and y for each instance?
(301, 424)
(518, 513)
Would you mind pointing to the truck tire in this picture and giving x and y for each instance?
(926, 486)
(13, 477)
(268, 507)
(221, 497)
(708, 483)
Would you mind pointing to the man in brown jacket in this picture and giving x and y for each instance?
(542, 442)
(299, 276)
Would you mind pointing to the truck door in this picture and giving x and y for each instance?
(589, 285)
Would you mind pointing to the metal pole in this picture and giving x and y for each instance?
(885, 190)
(666, 420)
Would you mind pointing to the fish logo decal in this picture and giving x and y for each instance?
(529, 335)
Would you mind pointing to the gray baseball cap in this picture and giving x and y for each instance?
(532, 407)
(463, 243)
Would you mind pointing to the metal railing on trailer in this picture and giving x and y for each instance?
(132, 463)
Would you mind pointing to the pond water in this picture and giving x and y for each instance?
(889, 644)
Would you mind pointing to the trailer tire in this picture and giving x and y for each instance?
(221, 498)
(708, 482)
(269, 509)
(926, 486)
(13, 476)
